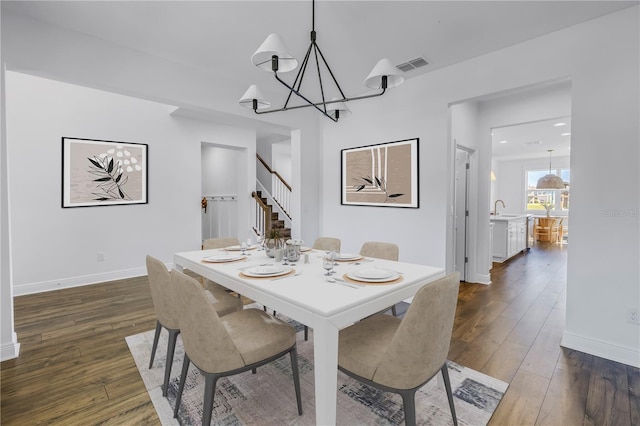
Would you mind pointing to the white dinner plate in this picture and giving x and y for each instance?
(303, 249)
(267, 271)
(348, 256)
(239, 248)
(373, 275)
(221, 258)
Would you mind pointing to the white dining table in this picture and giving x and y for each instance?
(309, 298)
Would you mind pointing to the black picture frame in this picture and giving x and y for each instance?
(381, 175)
(98, 172)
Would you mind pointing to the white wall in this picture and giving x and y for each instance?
(420, 233)
(603, 273)
(219, 170)
(9, 346)
(65, 242)
(464, 123)
(281, 157)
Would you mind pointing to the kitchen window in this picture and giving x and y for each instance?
(538, 200)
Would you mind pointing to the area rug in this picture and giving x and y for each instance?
(268, 398)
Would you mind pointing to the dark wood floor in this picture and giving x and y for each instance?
(75, 367)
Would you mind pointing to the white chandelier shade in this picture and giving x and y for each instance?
(384, 67)
(338, 109)
(254, 92)
(273, 45)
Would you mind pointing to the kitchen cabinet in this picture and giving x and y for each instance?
(509, 236)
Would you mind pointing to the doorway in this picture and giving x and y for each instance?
(225, 207)
(461, 209)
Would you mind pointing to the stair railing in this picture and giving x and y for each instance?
(263, 215)
(280, 189)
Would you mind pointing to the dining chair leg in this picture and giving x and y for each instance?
(155, 342)
(306, 333)
(393, 311)
(171, 348)
(183, 378)
(209, 392)
(296, 377)
(409, 404)
(447, 386)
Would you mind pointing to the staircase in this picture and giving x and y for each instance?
(266, 211)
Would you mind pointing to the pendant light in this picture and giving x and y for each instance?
(273, 56)
(550, 181)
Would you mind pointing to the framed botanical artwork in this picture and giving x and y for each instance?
(383, 175)
(103, 173)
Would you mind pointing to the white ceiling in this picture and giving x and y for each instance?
(532, 140)
(219, 37)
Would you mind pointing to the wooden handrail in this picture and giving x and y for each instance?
(273, 172)
(266, 209)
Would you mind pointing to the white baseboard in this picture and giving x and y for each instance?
(10, 350)
(40, 287)
(624, 355)
(478, 279)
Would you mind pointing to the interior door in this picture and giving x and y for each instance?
(461, 211)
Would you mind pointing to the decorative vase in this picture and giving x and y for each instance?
(292, 250)
(271, 245)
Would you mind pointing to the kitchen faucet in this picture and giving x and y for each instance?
(495, 207)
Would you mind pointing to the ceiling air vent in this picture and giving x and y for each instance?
(412, 64)
(533, 142)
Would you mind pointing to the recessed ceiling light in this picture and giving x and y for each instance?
(504, 141)
(565, 134)
(559, 124)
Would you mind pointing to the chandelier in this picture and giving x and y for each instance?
(274, 56)
(550, 181)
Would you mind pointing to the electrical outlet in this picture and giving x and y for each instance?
(100, 257)
(633, 317)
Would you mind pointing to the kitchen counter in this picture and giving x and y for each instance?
(507, 217)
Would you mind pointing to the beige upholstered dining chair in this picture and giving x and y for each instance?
(218, 243)
(327, 244)
(378, 250)
(388, 251)
(401, 356)
(168, 312)
(218, 347)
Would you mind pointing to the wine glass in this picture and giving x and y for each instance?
(334, 255)
(243, 247)
(259, 240)
(327, 263)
